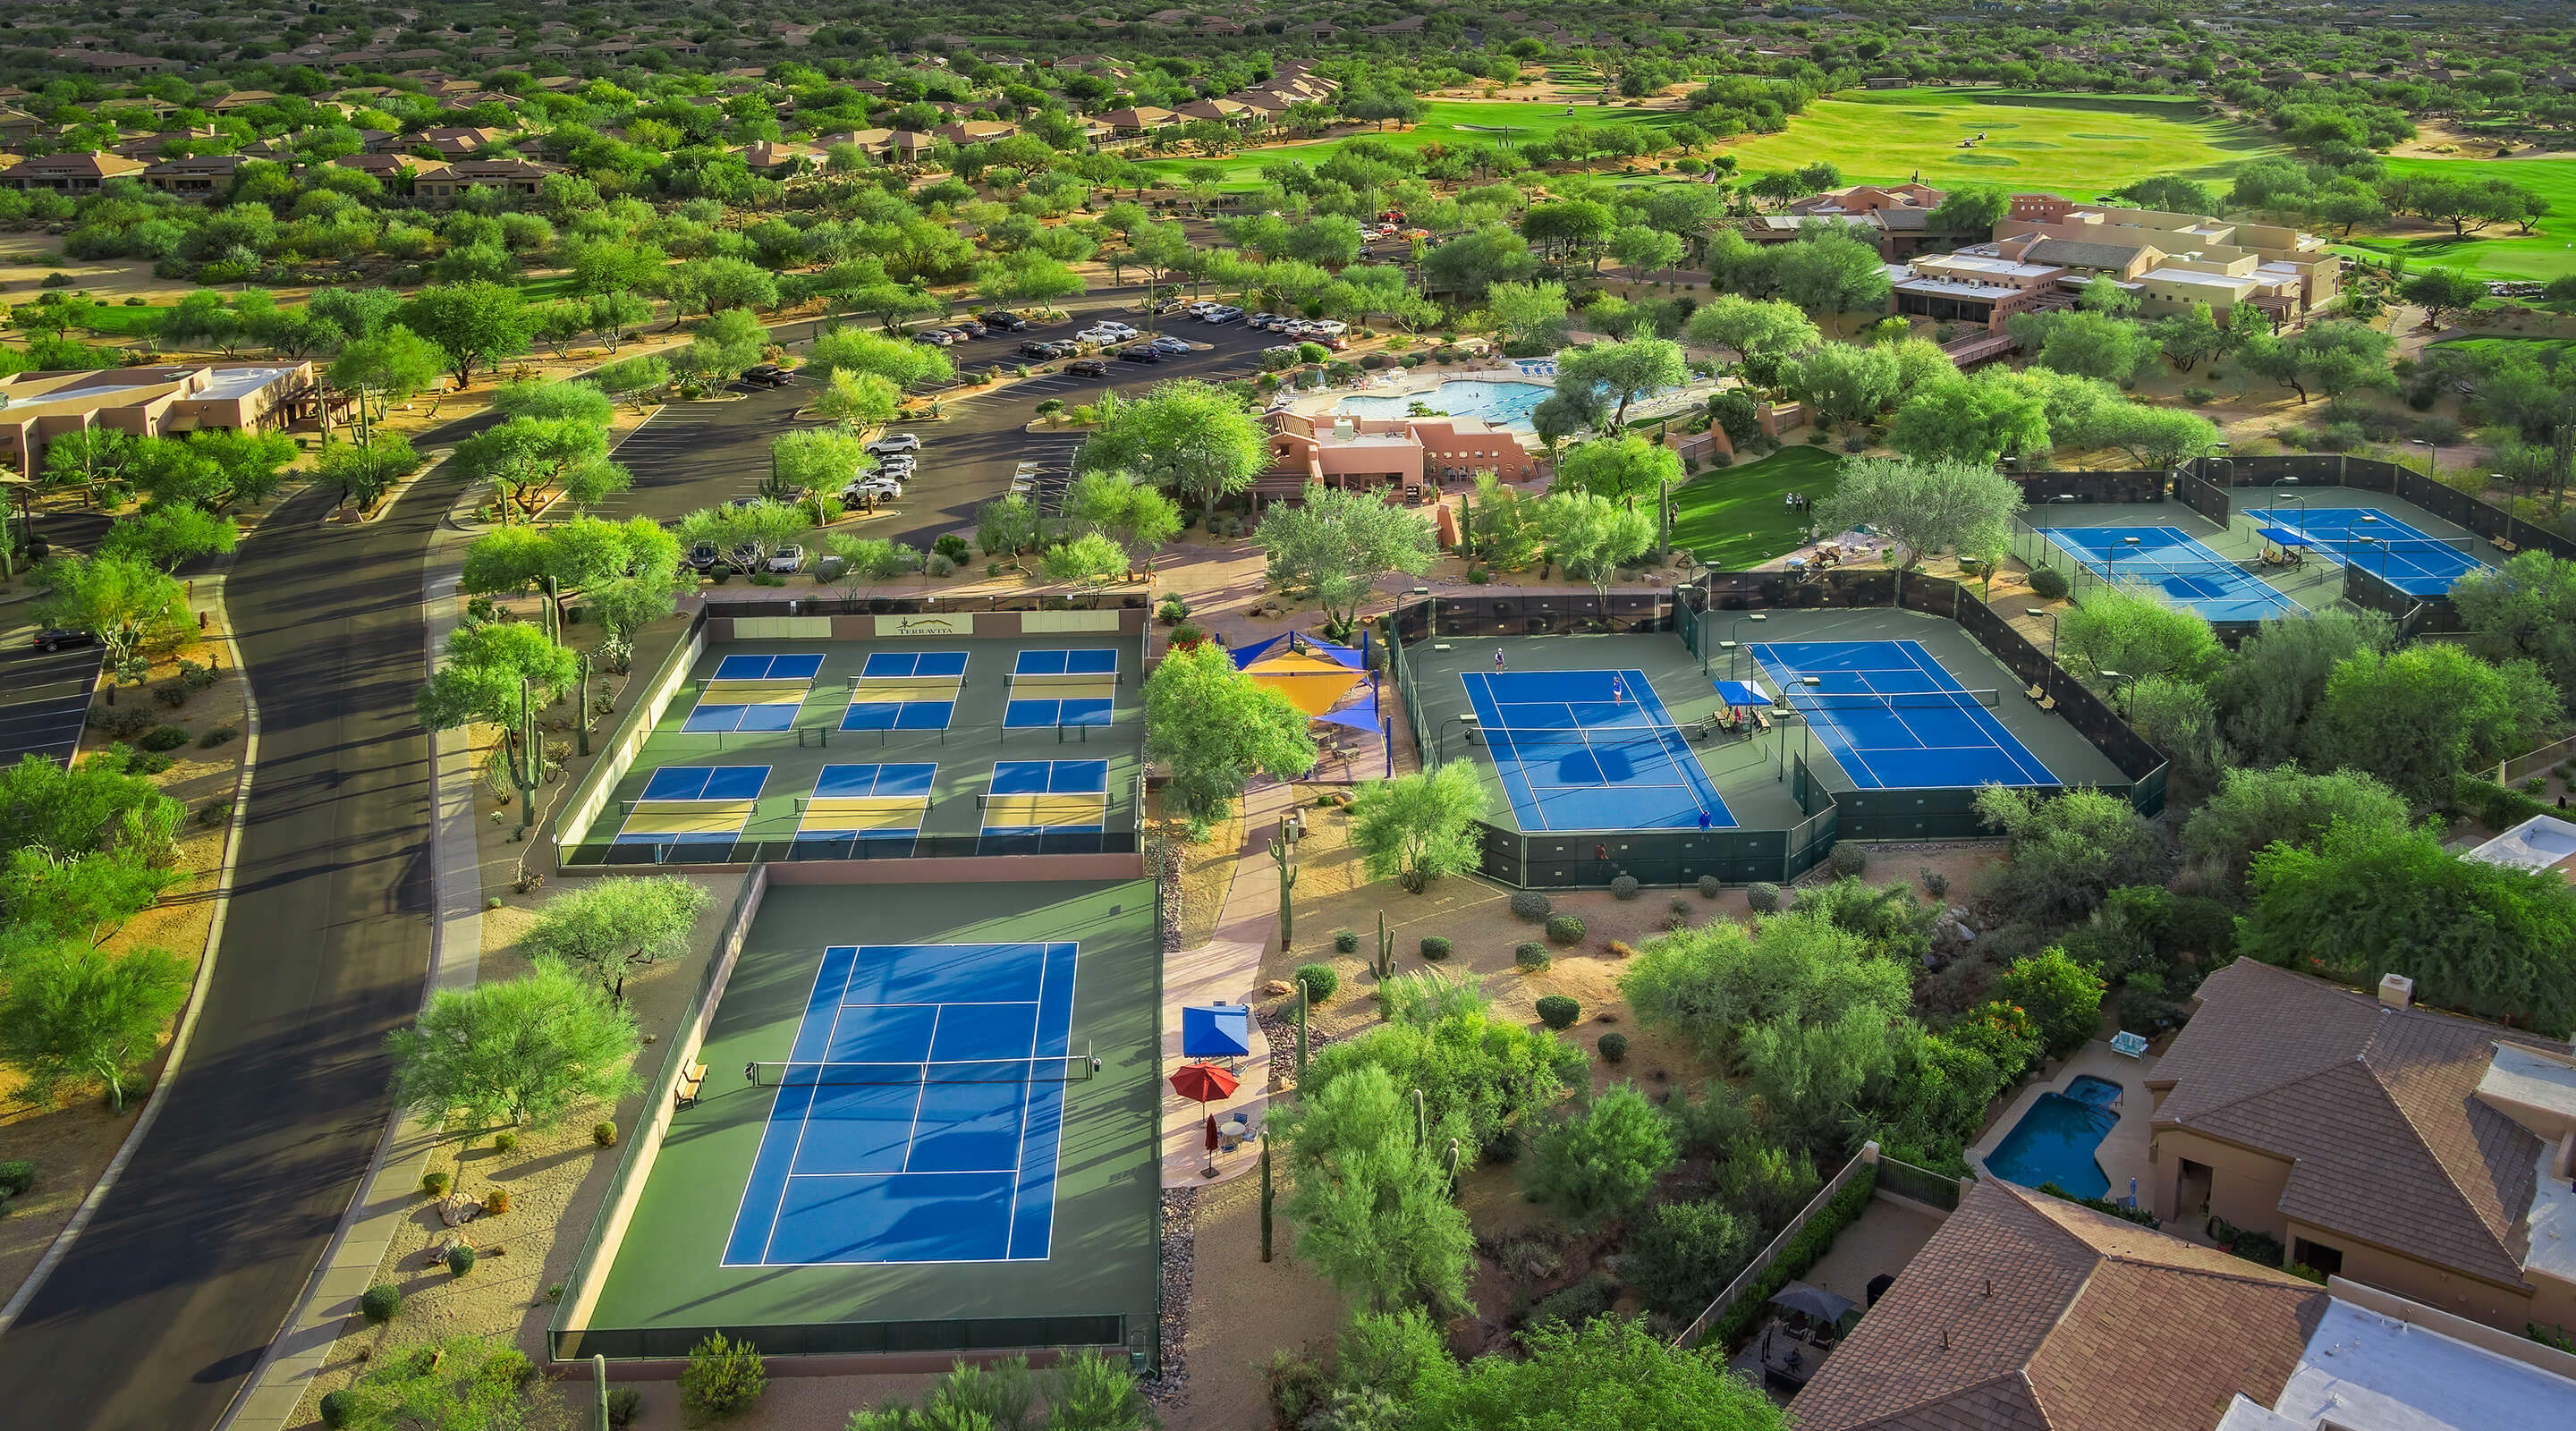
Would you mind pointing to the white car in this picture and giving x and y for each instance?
(1224, 314)
(786, 559)
(1106, 331)
(894, 442)
(878, 487)
(1202, 308)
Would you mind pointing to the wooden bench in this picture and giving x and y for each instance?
(692, 1079)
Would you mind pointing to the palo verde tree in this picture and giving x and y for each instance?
(72, 1011)
(584, 555)
(524, 1052)
(129, 605)
(613, 927)
(1214, 727)
(1593, 537)
(1335, 543)
(1195, 439)
(553, 443)
(1372, 1206)
(501, 673)
(1416, 828)
(1928, 506)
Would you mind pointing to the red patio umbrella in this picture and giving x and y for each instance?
(1203, 1083)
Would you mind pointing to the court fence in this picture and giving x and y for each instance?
(1560, 859)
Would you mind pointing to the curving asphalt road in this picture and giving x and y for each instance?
(170, 1297)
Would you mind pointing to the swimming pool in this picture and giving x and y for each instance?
(1501, 404)
(2054, 1141)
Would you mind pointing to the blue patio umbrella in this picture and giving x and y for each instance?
(1216, 1031)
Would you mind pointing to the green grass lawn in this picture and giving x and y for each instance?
(2081, 146)
(2498, 252)
(1735, 517)
(1444, 121)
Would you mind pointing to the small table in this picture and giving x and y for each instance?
(1788, 1358)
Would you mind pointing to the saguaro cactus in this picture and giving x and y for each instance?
(1283, 853)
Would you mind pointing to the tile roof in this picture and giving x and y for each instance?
(2029, 1313)
(2375, 1108)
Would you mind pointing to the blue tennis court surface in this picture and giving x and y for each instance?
(693, 805)
(1590, 750)
(1061, 688)
(753, 693)
(906, 690)
(1031, 800)
(1894, 719)
(2189, 574)
(948, 1152)
(2414, 562)
(868, 802)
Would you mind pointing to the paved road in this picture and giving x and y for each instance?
(195, 1258)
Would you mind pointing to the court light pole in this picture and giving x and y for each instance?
(2045, 677)
(1734, 647)
(2116, 678)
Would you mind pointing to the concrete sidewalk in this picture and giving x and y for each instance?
(1227, 968)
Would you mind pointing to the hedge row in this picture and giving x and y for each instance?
(1800, 1253)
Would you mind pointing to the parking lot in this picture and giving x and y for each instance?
(44, 695)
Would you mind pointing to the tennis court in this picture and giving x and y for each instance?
(918, 1113)
(753, 693)
(868, 802)
(1062, 688)
(2170, 560)
(2415, 562)
(694, 804)
(1032, 799)
(906, 690)
(1894, 719)
(1591, 750)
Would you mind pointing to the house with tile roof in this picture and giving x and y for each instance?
(69, 173)
(2026, 1312)
(2407, 1149)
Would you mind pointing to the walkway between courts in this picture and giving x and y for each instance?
(1227, 967)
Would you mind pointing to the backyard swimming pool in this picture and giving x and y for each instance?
(2054, 1141)
(1500, 404)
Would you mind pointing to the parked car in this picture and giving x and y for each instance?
(786, 559)
(894, 442)
(56, 638)
(703, 557)
(1087, 368)
(1118, 332)
(1225, 313)
(1141, 353)
(1261, 321)
(1177, 305)
(767, 375)
(875, 487)
(972, 327)
(1007, 322)
(1202, 308)
(1045, 350)
(935, 337)
(1170, 346)
(898, 468)
(1099, 333)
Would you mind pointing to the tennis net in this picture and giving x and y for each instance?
(1603, 736)
(1894, 700)
(1078, 682)
(2125, 566)
(1070, 1068)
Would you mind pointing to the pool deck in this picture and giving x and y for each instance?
(1411, 382)
(2123, 1154)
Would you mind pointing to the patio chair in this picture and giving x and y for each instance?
(2128, 1044)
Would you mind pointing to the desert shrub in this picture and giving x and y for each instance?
(1763, 896)
(1848, 859)
(1319, 980)
(951, 546)
(2047, 582)
(337, 1407)
(380, 1302)
(722, 1379)
(1435, 948)
(1346, 941)
(1565, 929)
(1682, 1254)
(1532, 957)
(122, 722)
(216, 736)
(1531, 905)
(460, 1258)
(2199, 396)
(16, 1176)
(172, 693)
(148, 762)
(625, 1405)
(1710, 886)
(1935, 883)
(505, 1141)
(1614, 1047)
(433, 1184)
(604, 1133)
(1558, 1012)
(496, 1202)
(1573, 1306)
